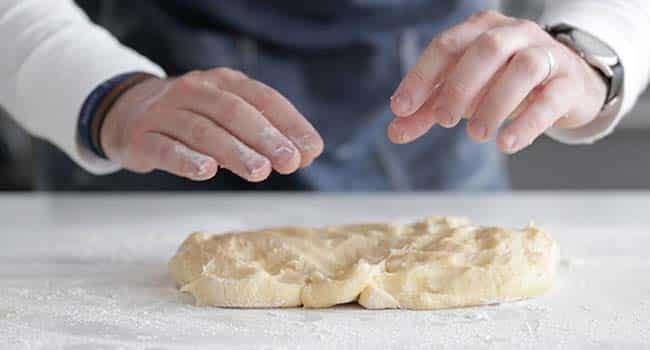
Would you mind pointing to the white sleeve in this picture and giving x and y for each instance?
(625, 26)
(52, 58)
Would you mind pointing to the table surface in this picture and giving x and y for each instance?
(89, 271)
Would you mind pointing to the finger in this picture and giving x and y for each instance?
(243, 121)
(442, 52)
(281, 114)
(552, 102)
(203, 135)
(405, 130)
(523, 73)
(165, 153)
(469, 114)
(482, 60)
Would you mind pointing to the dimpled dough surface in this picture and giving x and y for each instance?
(439, 262)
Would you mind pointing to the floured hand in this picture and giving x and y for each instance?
(192, 125)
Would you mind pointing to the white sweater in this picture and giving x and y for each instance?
(53, 57)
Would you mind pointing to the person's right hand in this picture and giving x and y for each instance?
(192, 125)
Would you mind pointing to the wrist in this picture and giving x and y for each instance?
(597, 85)
(96, 106)
(113, 131)
(605, 66)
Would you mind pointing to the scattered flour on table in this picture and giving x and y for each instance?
(64, 313)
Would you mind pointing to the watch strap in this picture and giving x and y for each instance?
(613, 80)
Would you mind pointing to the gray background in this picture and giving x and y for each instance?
(618, 161)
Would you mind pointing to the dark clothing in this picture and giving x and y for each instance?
(337, 61)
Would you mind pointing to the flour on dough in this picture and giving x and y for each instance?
(439, 262)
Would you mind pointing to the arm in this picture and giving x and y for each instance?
(624, 26)
(53, 57)
(188, 126)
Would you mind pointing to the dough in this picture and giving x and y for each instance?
(436, 263)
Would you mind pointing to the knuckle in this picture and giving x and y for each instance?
(418, 75)
(233, 108)
(199, 133)
(455, 91)
(446, 43)
(267, 96)
(223, 71)
(229, 73)
(189, 83)
(485, 15)
(527, 25)
(528, 64)
(491, 44)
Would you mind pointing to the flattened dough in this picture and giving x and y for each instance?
(435, 263)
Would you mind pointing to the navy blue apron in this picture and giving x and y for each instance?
(337, 61)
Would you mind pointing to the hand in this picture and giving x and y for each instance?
(191, 125)
(492, 67)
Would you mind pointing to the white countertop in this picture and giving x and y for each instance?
(82, 272)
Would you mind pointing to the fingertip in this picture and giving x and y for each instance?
(445, 118)
(191, 164)
(286, 160)
(477, 131)
(205, 171)
(310, 145)
(507, 143)
(401, 104)
(319, 148)
(259, 171)
(259, 176)
(307, 164)
(397, 134)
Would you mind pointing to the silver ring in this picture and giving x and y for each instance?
(551, 65)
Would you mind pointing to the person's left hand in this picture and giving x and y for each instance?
(492, 67)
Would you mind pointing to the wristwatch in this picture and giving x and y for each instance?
(597, 54)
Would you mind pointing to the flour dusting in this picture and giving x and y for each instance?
(272, 138)
(254, 162)
(200, 162)
(305, 143)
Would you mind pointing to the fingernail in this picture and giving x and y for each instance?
(400, 135)
(198, 164)
(402, 103)
(480, 131)
(509, 142)
(257, 167)
(203, 170)
(284, 154)
(444, 118)
(284, 151)
(306, 143)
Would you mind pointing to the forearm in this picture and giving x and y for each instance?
(54, 57)
(624, 26)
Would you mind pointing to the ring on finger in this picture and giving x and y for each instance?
(552, 63)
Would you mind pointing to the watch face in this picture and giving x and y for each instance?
(589, 43)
